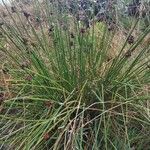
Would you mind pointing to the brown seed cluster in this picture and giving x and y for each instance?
(148, 66)
(2, 97)
(5, 70)
(48, 104)
(72, 35)
(51, 28)
(26, 14)
(71, 43)
(130, 39)
(1, 23)
(13, 9)
(24, 40)
(128, 54)
(82, 30)
(4, 14)
(25, 65)
(46, 136)
(29, 78)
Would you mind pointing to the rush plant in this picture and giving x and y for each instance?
(69, 88)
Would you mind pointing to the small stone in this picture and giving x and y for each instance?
(33, 44)
(51, 13)
(148, 66)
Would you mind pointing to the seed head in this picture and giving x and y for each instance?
(29, 78)
(37, 19)
(25, 41)
(33, 44)
(109, 59)
(46, 136)
(13, 9)
(130, 39)
(5, 70)
(1, 23)
(64, 27)
(26, 14)
(48, 104)
(51, 13)
(82, 30)
(128, 54)
(4, 14)
(111, 26)
(71, 43)
(72, 35)
(50, 29)
(1, 97)
(24, 65)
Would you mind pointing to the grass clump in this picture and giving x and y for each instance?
(73, 87)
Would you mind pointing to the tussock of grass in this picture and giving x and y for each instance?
(71, 87)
